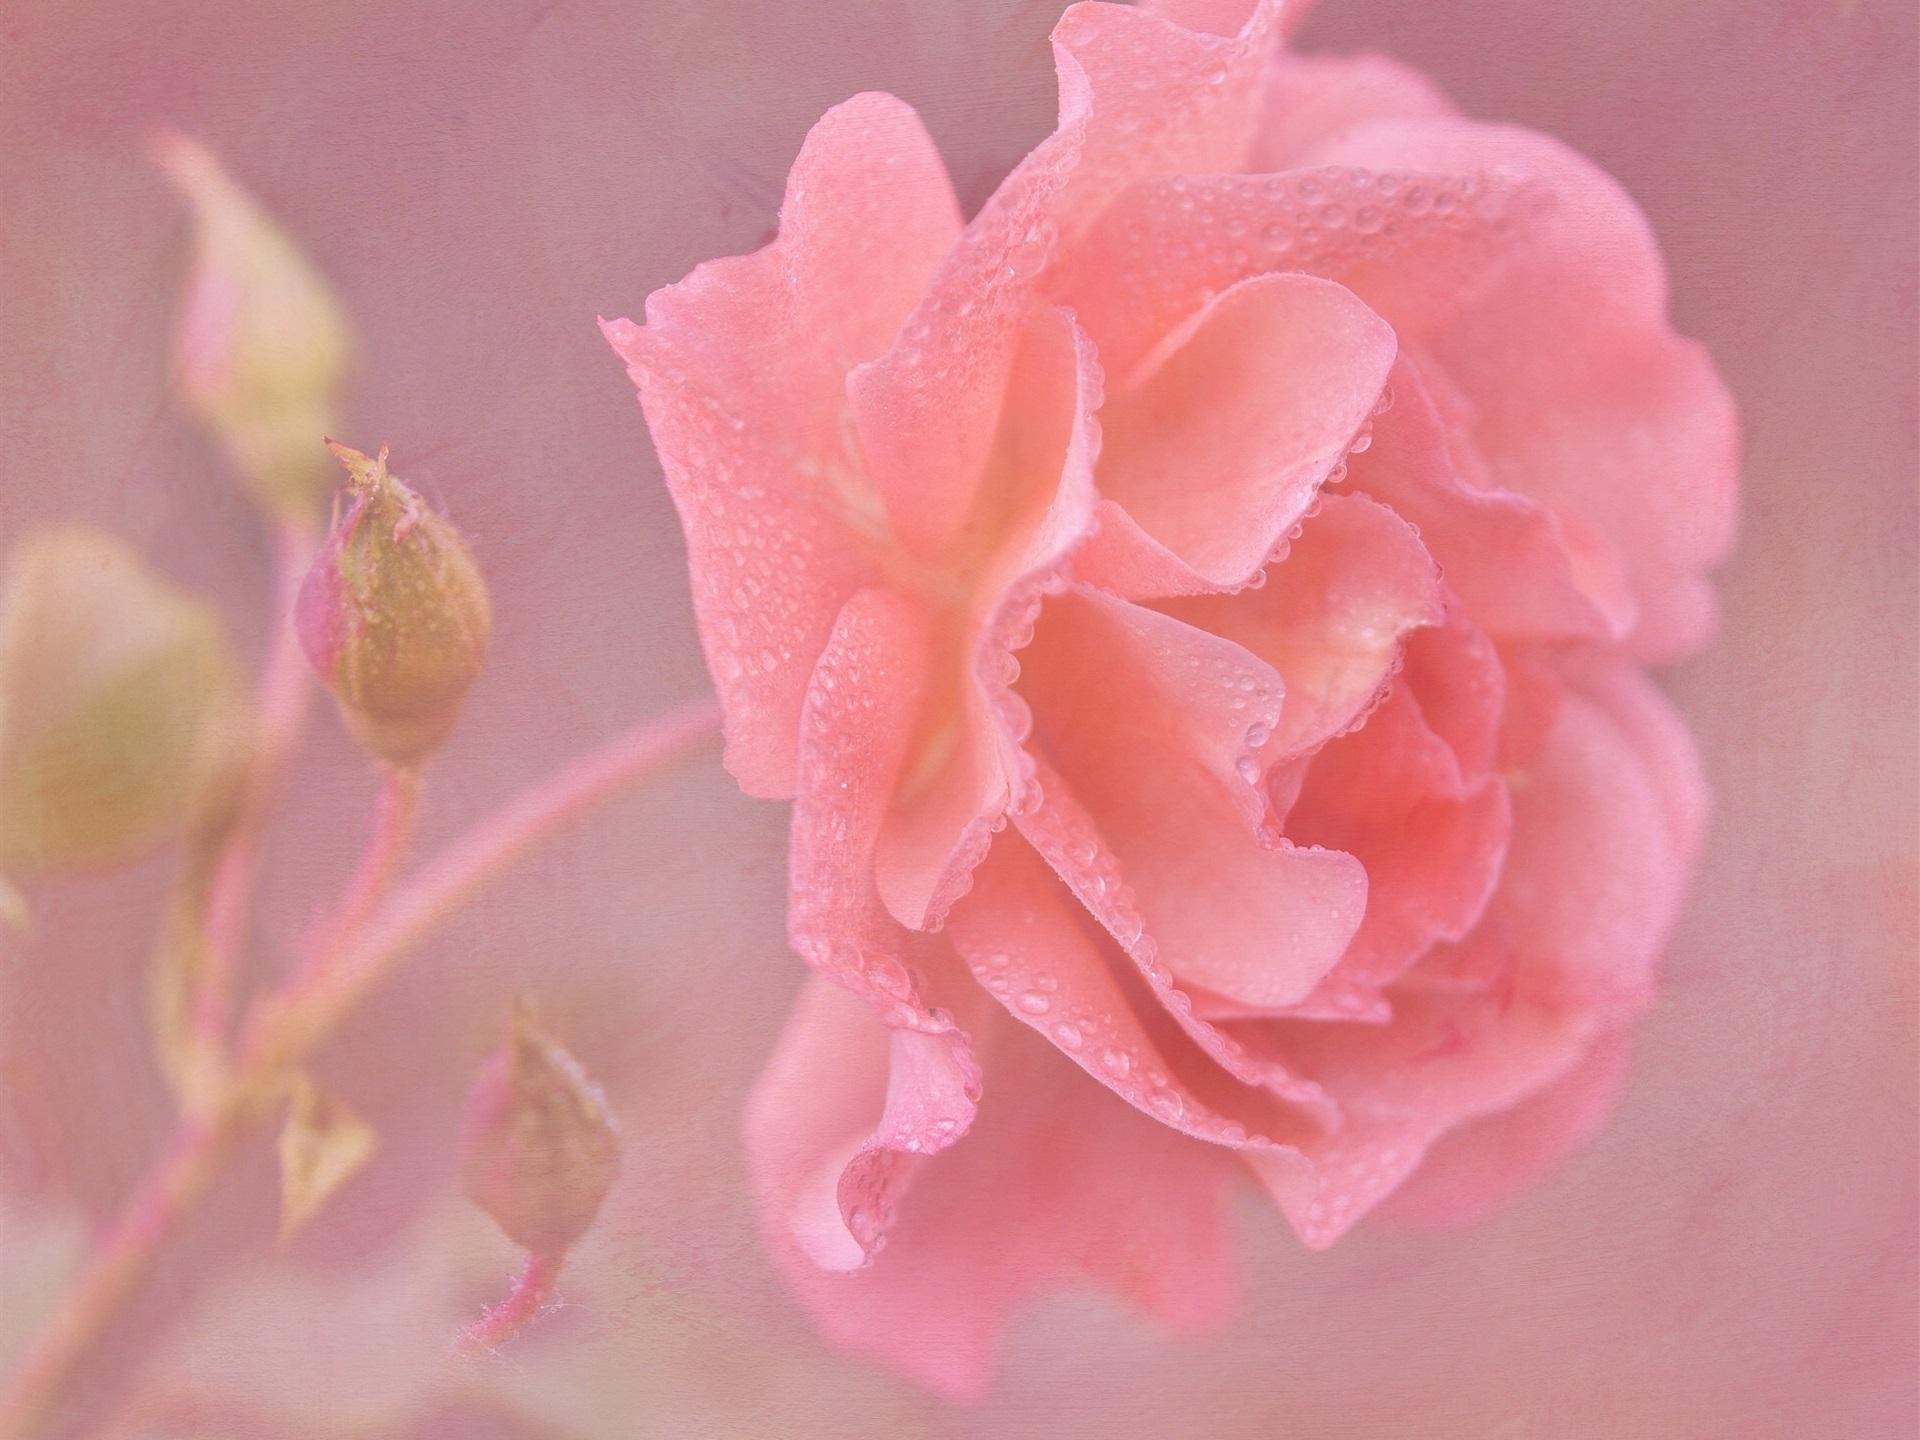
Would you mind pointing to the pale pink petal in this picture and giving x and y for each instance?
(1216, 445)
(741, 369)
(1513, 563)
(1433, 841)
(1059, 1181)
(1035, 506)
(1065, 835)
(1168, 96)
(1607, 818)
(1026, 939)
(844, 1111)
(1331, 617)
(1413, 245)
(1585, 399)
(1313, 97)
(860, 707)
(1443, 1061)
(1457, 673)
(1154, 727)
(1474, 1169)
(1139, 96)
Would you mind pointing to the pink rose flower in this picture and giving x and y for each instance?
(1196, 609)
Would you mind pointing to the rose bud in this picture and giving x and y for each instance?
(262, 343)
(393, 614)
(119, 704)
(538, 1146)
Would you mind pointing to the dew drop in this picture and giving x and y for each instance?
(1026, 259)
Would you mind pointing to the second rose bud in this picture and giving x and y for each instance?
(394, 614)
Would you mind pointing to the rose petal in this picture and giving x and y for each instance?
(1420, 243)
(1462, 686)
(860, 707)
(1217, 444)
(841, 1117)
(1139, 96)
(1478, 1167)
(1606, 822)
(1168, 96)
(1514, 564)
(1391, 794)
(1059, 1180)
(1585, 398)
(1035, 507)
(1028, 944)
(740, 369)
(1443, 1061)
(1151, 724)
(1222, 17)
(1311, 98)
(1331, 618)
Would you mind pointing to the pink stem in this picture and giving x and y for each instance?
(531, 1290)
(286, 685)
(287, 1026)
(120, 1261)
(394, 809)
(451, 878)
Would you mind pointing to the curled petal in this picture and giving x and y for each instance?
(1412, 244)
(860, 709)
(1153, 725)
(841, 1119)
(1027, 943)
(1216, 445)
(1607, 819)
(1442, 1062)
(1065, 835)
(1170, 94)
(1472, 1170)
(1139, 96)
(1331, 618)
(1584, 397)
(1059, 1182)
(1433, 842)
(1461, 682)
(1519, 570)
(1035, 507)
(741, 368)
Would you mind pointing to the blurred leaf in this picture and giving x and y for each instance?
(322, 1146)
(119, 704)
(262, 342)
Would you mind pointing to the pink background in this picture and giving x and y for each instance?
(1735, 1255)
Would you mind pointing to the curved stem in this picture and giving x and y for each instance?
(395, 807)
(286, 1027)
(451, 878)
(119, 1262)
(286, 686)
(531, 1289)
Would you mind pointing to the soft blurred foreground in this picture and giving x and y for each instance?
(1735, 1255)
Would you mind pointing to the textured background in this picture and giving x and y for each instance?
(1734, 1256)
